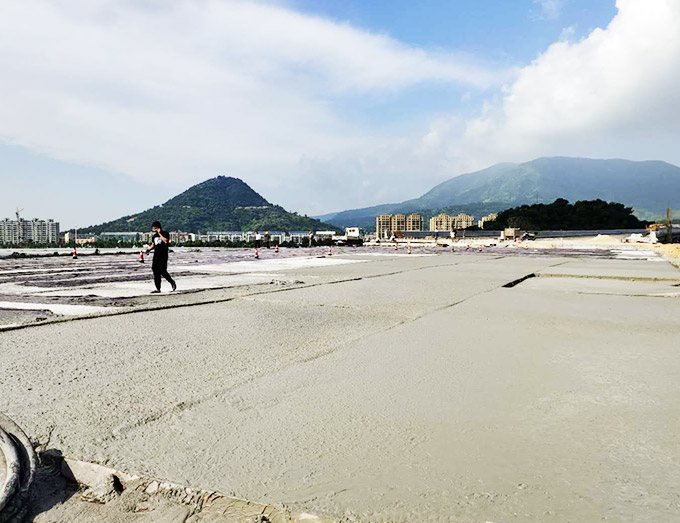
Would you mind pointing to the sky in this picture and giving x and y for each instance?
(112, 106)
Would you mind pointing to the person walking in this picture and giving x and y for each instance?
(267, 239)
(258, 239)
(159, 265)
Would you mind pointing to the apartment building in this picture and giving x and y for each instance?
(440, 223)
(178, 237)
(414, 222)
(39, 232)
(488, 218)
(387, 225)
(462, 221)
(397, 223)
(443, 222)
(383, 226)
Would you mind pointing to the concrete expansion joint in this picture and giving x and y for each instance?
(513, 283)
(607, 277)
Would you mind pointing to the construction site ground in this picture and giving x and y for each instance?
(520, 383)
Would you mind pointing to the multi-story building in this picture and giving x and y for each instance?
(444, 222)
(122, 236)
(383, 226)
(387, 225)
(178, 237)
(9, 232)
(222, 236)
(86, 240)
(462, 221)
(37, 231)
(488, 218)
(441, 222)
(414, 222)
(397, 223)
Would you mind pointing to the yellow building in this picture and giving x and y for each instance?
(441, 222)
(414, 222)
(462, 221)
(488, 218)
(382, 226)
(444, 222)
(397, 223)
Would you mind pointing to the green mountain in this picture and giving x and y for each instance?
(218, 204)
(649, 187)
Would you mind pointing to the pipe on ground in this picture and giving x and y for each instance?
(20, 462)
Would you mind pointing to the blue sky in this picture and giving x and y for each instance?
(111, 107)
(514, 32)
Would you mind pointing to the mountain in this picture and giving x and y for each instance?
(649, 187)
(218, 204)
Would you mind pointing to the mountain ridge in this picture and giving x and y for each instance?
(647, 186)
(217, 204)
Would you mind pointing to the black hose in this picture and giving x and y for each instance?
(20, 462)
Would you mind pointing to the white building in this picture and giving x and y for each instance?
(39, 232)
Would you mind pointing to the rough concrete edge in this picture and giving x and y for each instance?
(662, 251)
(93, 474)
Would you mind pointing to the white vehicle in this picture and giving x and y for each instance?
(352, 236)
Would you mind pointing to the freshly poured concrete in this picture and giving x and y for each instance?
(400, 389)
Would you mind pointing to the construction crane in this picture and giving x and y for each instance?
(20, 229)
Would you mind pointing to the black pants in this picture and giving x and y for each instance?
(160, 268)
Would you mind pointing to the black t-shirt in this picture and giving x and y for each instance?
(160, 247)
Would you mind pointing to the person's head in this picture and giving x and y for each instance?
(156, 226)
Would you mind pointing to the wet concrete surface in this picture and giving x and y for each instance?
(395, 389)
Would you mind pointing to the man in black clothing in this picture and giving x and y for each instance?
(159, 246)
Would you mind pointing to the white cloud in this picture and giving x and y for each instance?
(548, 9)
(612, 94)
(183, 90)
(567, 34)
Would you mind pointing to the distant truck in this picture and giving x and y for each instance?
(352, 236)
(511, 233)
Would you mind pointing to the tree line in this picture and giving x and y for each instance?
(562, 215)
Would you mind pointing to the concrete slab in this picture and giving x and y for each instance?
(604, 286)
(268, 265)
(603, 268)
(400, 389)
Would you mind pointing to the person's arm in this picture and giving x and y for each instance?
(163, 238)
(153, 244)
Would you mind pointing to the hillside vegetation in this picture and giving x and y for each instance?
(562, 215)
(218, 204)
